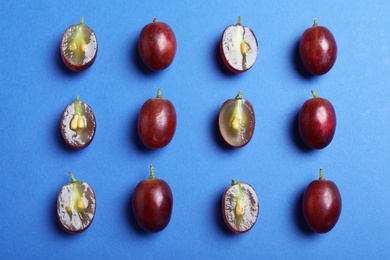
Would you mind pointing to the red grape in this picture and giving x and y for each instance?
(237, 121)
(79, 47)
(318, 49)
(238, 47)
(76, 205)
(157, 45)
(157, 122)
(321, 204)
(152, 203)
(317, 122)
(240, 207)
(78, 124)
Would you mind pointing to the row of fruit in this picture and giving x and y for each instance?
(238, 47)
(152, 204)
(157, 124)
(321, 202)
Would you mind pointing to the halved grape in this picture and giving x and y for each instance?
(240, 207)
(237, 121)
(76, 205)
(238, 47)
(79, 47)
(78, 124)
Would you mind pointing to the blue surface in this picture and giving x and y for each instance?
(36, 87)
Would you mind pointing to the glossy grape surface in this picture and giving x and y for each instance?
(79, 47)
(238, 47)
(321, 205)
(236, 121)
(317, 122)
(78, 137)
(76, 206)
(152, 203)
(157, 45)
(157, 122)
(240, 207)
(318, 49)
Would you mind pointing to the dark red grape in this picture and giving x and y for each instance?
(152, 203)
(157, 122)
(318, 49)
(79, 47)
(240, 207)
(237, 121)
(78, 124)
(157, 45)
(76, 206)
(321, 204)
(317, 122)
(238, 47)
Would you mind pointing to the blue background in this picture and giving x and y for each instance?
(36, 87)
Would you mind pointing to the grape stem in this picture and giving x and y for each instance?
(72, 177)
(315, 22)
(239, 21)
(77, 105)
(321, 174)
(314, 94)
(152, 176)
(239, 95)
(159, 93)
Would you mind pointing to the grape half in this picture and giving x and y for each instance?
(78, 124)
(240, 207)
(76, 206)
(238, 47)
(79, 47)
(237, 121)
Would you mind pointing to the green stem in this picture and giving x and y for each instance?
(152, 176)
(82, 21)
(314, 94)
(77, 105)
(159, 93)
(72, 177)
(239, 95)
(315, 22)
(321, 175)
